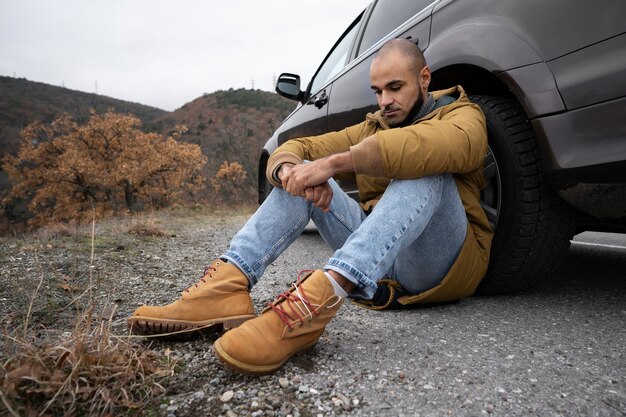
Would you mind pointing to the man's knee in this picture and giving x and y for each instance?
(432, 184)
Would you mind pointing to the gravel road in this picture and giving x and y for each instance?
(558, 350)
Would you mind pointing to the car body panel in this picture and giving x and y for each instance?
(481, 44)
(305, 120)
(592, 75)
(586, 137)
(535, 88)
(552, 28)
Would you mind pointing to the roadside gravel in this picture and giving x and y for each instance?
(558, 350)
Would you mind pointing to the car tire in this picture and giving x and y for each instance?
(264, 187)
(533, 225)
(267, 189)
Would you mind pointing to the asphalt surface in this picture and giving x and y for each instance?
(557, 350)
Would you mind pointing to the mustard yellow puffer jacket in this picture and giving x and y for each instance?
(451, 139)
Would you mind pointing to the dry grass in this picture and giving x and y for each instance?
(145, 226)
(87, 371)
(57, 230)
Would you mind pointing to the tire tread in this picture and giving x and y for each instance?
(527, 249)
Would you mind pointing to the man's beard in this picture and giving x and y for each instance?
(410, 117)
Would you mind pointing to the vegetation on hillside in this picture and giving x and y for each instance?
(66, 170)
(23, 102)
(255, 99)
(229, 128)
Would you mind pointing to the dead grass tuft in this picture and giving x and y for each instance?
(142, 226)
(87, 372)
(58, 230)
(84, 372)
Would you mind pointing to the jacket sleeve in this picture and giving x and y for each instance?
(455, 143)
(311, 148)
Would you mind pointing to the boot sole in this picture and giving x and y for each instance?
(149, 326)
(254, 370)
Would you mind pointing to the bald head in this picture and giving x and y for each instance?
(407, 49)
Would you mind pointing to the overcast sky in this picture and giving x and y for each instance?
(166, 53)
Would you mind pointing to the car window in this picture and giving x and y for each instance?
(336, 60)
(387, 16)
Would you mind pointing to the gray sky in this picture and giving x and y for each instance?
(166, 53)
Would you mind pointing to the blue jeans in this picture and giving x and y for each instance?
(413, 235)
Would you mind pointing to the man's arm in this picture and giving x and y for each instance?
(311, 148)
(456, 144)
(302, 176)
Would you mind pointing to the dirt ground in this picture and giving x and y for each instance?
(556, 350)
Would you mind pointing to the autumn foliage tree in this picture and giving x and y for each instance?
(64, 169)
(229, 182)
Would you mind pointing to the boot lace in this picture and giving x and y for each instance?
(300, 308)
(205, 273)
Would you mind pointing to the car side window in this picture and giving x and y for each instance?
(387, 16)
(336, 60)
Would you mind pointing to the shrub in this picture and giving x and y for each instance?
(65, 169)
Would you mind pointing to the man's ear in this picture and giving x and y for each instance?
(424, 78)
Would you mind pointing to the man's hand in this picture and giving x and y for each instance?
(310, 180)
(283, 170)
(321, 196)
(303, 176)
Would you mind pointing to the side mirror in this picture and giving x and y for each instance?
(288, 86)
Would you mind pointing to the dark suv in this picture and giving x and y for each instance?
(550, 77)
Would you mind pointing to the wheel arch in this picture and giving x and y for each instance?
(482, 43)
(475, 80)
(489, 59)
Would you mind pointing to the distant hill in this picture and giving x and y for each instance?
(23, 102)
(213, 119)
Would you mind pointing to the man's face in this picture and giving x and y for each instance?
(396, 85)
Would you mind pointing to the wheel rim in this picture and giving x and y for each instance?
(491, 194)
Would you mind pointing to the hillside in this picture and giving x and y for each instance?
(23, 102)
(230, 125)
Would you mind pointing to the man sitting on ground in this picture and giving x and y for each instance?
(419, 234)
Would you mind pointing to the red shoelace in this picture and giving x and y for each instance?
(207, 271)
(299, 305)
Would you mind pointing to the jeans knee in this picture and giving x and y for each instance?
(419, 186)
(279, 195)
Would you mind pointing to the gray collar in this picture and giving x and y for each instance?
(427, 107)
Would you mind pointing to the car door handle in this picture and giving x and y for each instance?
(321, 101)
(415, 40)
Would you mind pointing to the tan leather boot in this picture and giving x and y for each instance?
(221, 297)
(292, 323)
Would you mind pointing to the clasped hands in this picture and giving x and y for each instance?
(310, 181)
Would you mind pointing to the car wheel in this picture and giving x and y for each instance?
(267, 189)
(533, 225)
(264, 188)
